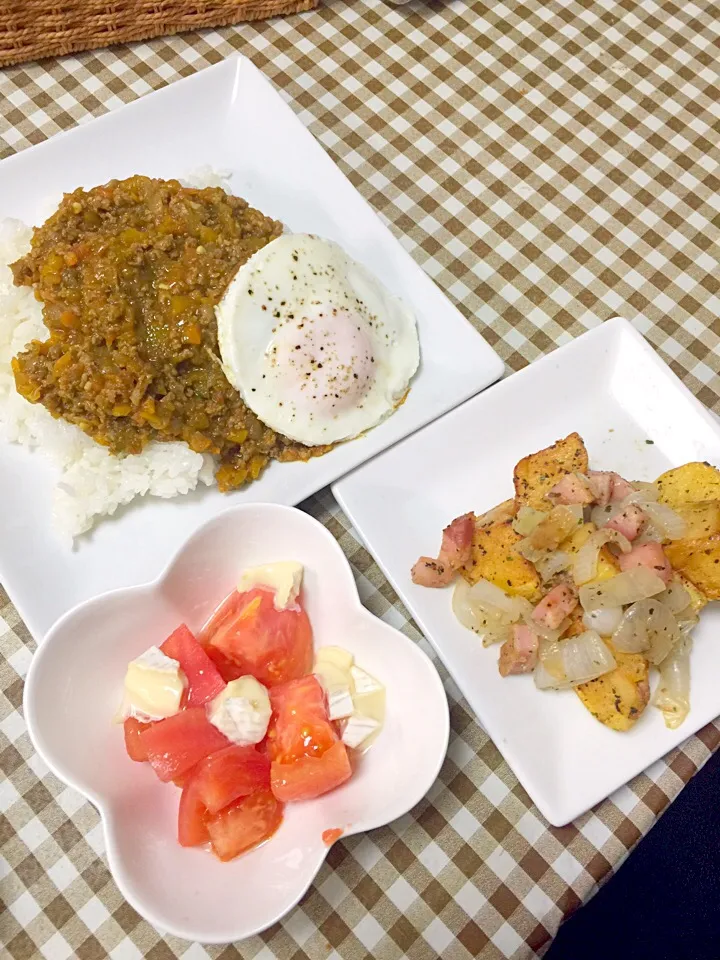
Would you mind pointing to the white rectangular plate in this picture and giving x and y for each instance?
(231, 118)
(612, 388)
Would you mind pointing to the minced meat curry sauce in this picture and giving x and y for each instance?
(129, 275)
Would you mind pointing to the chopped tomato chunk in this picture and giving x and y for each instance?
(226, 668)
(192, 817)
(204, 680)
(308, 758)
(176, 744)
(214, 784)
(136, 750)
(244, 824)
(250, 634)
(299, 726)
(224, 613)
(230, 773)
(310, 777)
(305, 693)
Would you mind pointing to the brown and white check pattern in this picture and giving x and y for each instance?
(550, 164)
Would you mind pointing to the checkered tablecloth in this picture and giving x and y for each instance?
(549, 165)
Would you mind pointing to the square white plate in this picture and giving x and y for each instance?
(231, 118)
(612, 388)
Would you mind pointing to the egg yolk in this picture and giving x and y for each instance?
(323, 359)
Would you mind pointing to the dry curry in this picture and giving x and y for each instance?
(129, 275)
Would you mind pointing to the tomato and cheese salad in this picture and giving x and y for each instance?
(247, 716)
(587, 580)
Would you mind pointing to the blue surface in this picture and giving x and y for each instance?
(664, 902)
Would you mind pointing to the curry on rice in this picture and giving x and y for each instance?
(129, 275)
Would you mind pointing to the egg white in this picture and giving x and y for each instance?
(318, 348)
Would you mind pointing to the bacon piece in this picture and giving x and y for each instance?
(629, 522)
(431, 573)
(456, 546)
(621, 488)
(650, 555)
(607, 486)
(571, 489)
(519, 653)
(455, 551)
(601, 486)
(555, 606)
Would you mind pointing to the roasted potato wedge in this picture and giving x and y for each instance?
(494, 558)
(699, 562)
(702, 519)
(503, 511)
(618, 698)
(692, 483)
(607, 564)
(698, 600)
(538, 473)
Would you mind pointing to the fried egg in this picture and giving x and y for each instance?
(318, 348)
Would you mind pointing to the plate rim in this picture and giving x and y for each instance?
(557, 812)
(230, 73)
(228, 64)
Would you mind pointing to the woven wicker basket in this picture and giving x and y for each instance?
(33, 29)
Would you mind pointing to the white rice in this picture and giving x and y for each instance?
(91, 482)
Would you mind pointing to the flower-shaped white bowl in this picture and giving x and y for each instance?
(74, 687)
